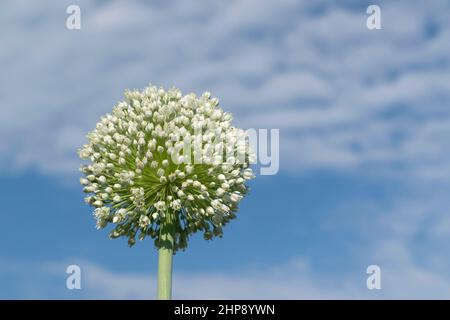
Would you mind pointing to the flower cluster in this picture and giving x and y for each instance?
(161, 158)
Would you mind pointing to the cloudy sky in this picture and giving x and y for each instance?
(364, 144)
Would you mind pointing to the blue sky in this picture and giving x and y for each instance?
(364, 149)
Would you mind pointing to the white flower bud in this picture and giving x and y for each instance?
(248, 174)
(160, 172)
(235, 197)
(160, 206)
(176, 205)
(98, 203)
(144, 221)
(122, 211)
(180, 193)
(102, 179)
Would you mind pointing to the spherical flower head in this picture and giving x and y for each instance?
(161, 157)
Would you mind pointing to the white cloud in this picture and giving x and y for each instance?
(401, 278)
(313, 70)
(405, 236)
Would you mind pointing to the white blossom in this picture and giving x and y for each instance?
(141, 174)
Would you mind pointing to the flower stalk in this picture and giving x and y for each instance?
(165, 260)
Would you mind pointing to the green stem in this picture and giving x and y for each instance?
(165, 257)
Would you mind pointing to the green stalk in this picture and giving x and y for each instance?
(165, 257)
